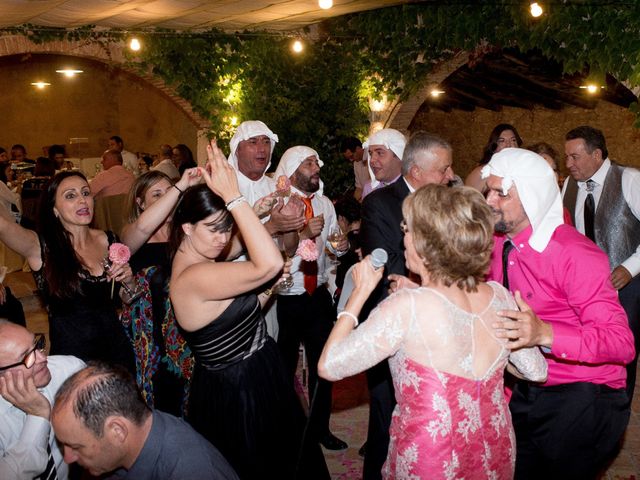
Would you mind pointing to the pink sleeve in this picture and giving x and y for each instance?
(602, 334)
(98, 184)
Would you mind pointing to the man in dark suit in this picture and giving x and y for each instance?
(427, 159)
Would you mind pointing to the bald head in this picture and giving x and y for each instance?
(111, 158)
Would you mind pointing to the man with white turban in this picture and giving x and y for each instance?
(305, 311)
(426, 159)
(570, 426)
(383, 153)
(251, 148)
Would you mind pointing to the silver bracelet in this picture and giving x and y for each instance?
(344, 313)
(235, 202)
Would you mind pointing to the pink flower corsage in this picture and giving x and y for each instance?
(307, 250)
(119, 253)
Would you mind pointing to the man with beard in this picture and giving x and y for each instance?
(28, 382)
(570, 426)
(305, 311)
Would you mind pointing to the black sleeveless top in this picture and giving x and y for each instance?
(235, 335)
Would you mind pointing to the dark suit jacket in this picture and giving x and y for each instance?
(380, 228)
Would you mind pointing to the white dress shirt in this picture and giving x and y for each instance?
(631, 194)
(24, 438)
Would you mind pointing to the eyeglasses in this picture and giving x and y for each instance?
(403, 226)
(29, 360)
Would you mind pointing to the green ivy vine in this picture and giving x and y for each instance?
(321, 94)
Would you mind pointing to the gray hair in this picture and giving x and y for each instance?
(421, 143)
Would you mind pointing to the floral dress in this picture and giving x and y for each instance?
(452, 419)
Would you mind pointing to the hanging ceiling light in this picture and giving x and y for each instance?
(297, 46)
(134, 44)
(40, 85)
(325, 4)
(535, 9)
(68, 72)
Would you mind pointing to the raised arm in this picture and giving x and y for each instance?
(136, 234)
(229, 279)
(348, 352)
(21, 240)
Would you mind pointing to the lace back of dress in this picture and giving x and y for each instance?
(451, 340)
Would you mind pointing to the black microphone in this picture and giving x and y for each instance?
(379, 259)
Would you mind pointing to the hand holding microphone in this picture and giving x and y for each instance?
(364, 275)
(368, 272)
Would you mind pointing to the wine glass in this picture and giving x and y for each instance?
(287, 282)
(133, 295)
(336, 235)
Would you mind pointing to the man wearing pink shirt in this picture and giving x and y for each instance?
(114, 179)
(570, 426)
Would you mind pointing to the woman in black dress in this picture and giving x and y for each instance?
(241, 398)
(67, 260)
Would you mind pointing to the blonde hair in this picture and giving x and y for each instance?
(452, 231)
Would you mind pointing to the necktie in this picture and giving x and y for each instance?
(589, 211)
(310, 269)
(506, 248)
(49, 472)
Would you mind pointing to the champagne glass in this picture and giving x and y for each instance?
(336, 235)
(287, 283)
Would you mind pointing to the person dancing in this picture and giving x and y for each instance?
(241, 398)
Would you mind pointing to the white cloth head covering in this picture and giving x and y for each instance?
(537, 188)
(245, 131)
(389, 138)
(292, 159)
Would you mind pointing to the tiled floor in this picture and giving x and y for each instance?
(350, 408)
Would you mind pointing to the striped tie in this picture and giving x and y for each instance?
(49, 472)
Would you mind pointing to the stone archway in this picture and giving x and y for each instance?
(399, 115)
(111, 54)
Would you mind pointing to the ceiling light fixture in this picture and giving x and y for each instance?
(134, 44)
(68, 72)
(325, 4)
(436, 93)
(40, 85)
(297, 46)
(535, 9)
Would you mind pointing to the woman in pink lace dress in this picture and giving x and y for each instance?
(452, 420)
